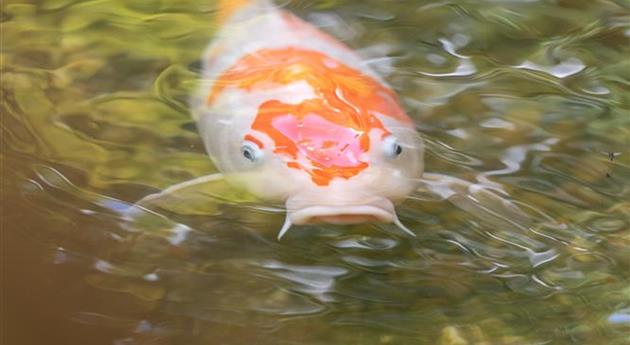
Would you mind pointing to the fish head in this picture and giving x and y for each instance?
(325, 171)
(330, 142)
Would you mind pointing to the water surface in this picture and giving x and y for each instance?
(528, 97)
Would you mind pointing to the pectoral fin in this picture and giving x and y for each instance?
(199, 196)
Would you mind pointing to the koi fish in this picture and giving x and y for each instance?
(295, 116)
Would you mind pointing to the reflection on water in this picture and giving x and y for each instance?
(529, 99)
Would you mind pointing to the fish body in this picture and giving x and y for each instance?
(295, 116)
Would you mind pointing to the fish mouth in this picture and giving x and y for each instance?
(354, 214)
(379, 210)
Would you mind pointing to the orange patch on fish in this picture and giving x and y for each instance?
(254, 140)
(328, 135)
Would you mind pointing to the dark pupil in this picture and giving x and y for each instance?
(248, 154)
(398, 150)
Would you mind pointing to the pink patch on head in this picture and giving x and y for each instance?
(324, 143)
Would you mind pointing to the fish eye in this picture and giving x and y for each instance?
(391, 147)
(251, 152)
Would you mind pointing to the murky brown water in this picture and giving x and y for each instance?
(532, 97)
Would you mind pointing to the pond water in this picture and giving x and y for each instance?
(531, 97)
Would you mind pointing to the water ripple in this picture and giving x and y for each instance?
(527, 98)
(369, 243)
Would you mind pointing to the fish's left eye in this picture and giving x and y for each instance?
(391, 147)
(251, 152)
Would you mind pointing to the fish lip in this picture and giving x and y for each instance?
(302, 210)
(352, 214)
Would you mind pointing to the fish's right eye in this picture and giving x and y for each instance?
(251, 152)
